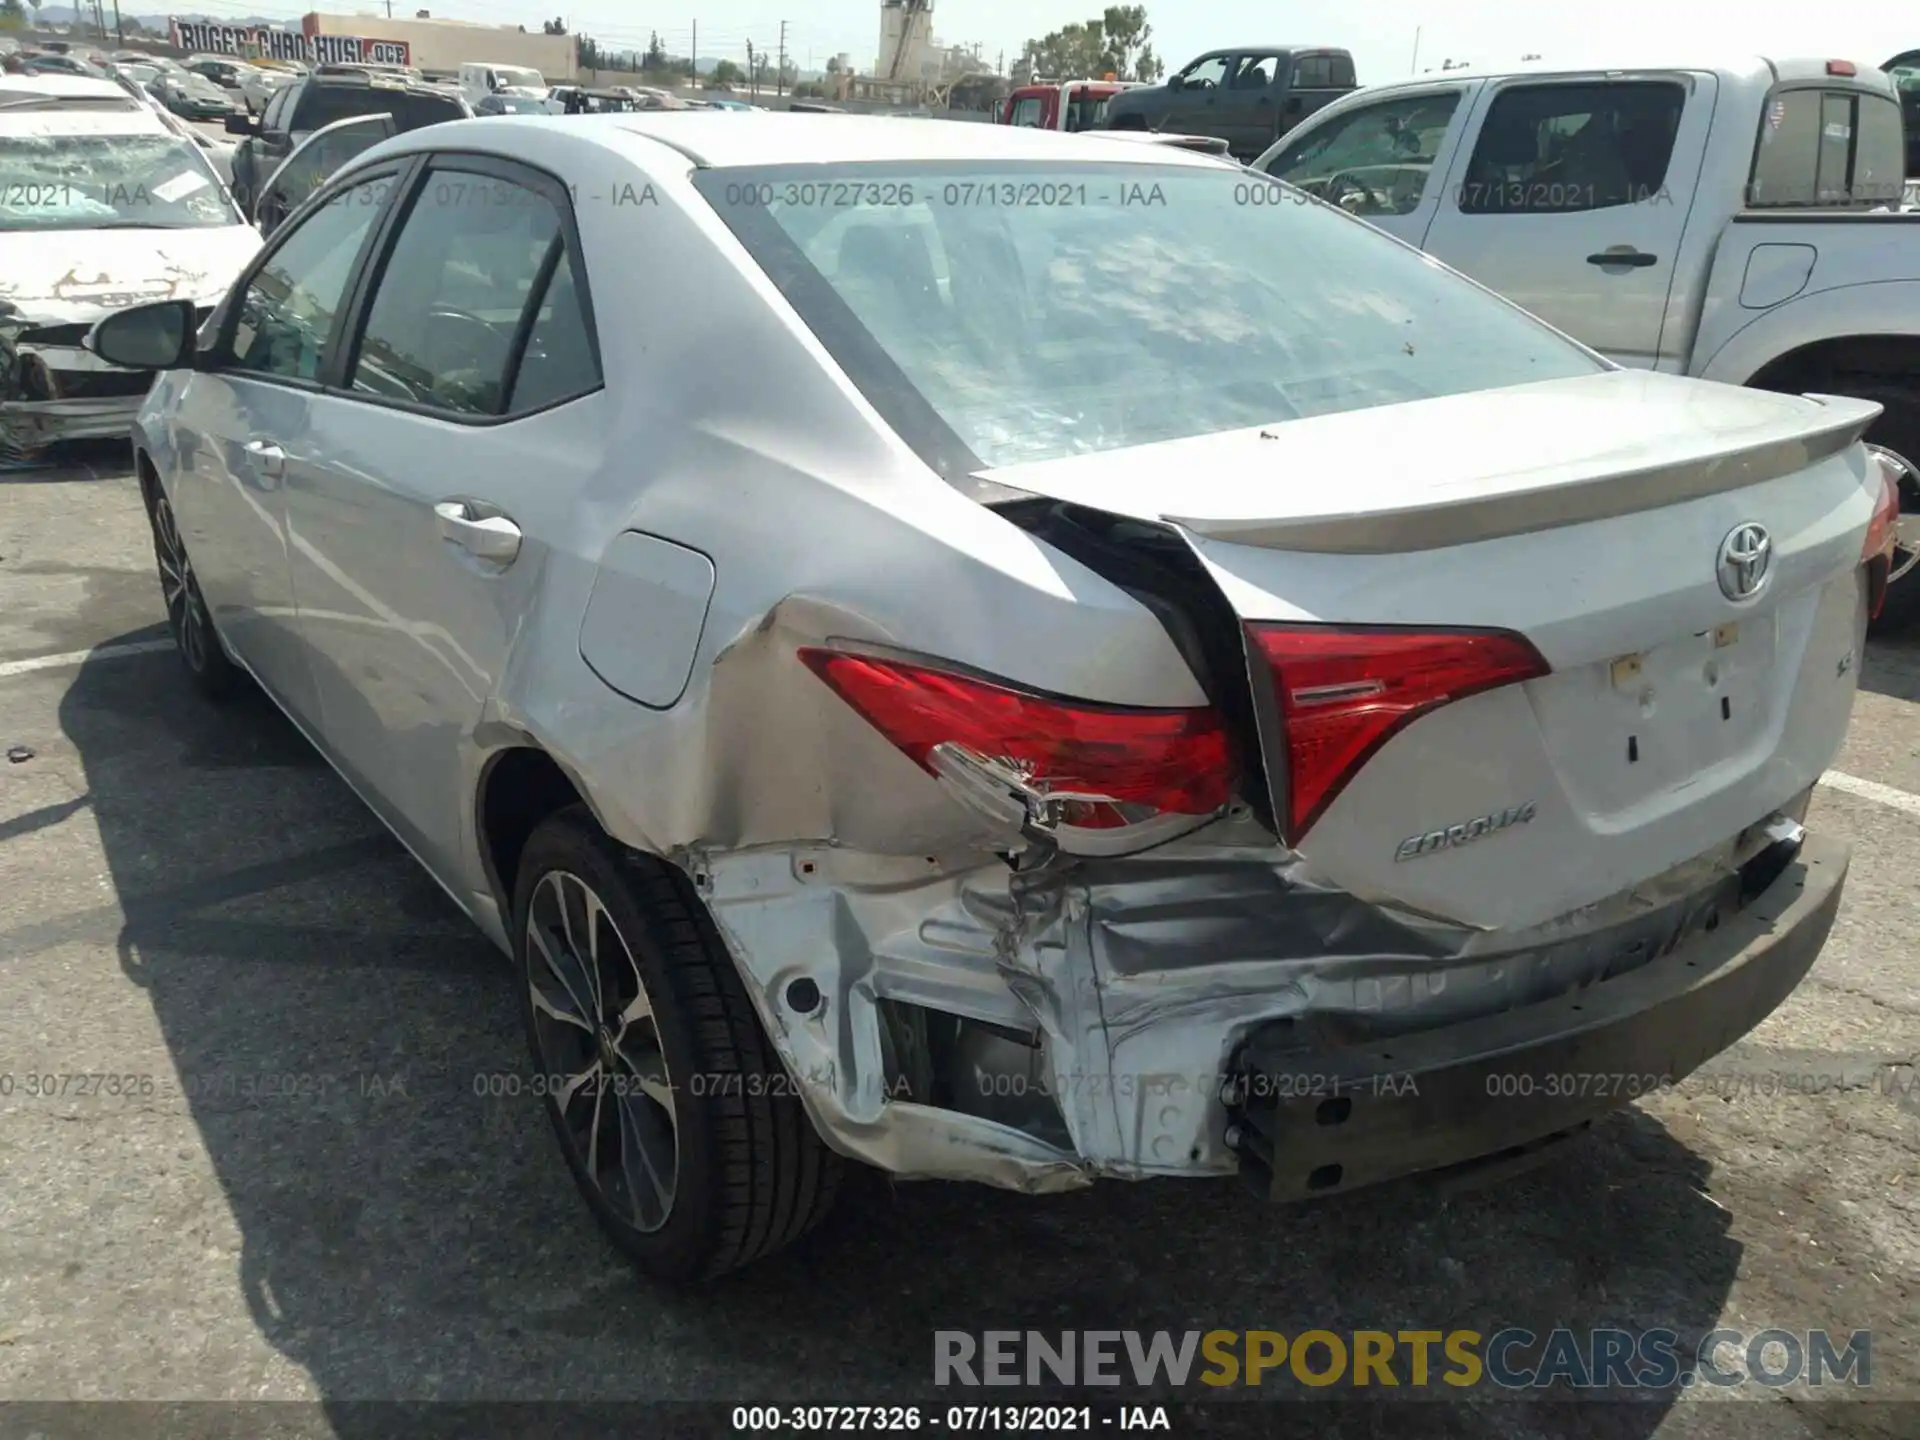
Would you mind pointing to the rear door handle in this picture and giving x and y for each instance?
(270, 458)
(492, 537)
(1624, 255)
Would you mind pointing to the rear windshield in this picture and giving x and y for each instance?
(997, 316)
(326, 103)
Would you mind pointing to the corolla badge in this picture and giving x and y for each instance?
(1745, 561)
(1465, 833)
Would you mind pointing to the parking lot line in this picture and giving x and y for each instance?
(10, 668)
(1872, 790)
(1901, 800)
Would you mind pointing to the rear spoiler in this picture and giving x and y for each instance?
(1434, 524)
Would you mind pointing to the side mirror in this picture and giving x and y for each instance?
(1174, 82)
(146, 337)
(241, 123)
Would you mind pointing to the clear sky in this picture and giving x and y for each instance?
(1379, 32)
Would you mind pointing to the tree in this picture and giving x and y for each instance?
(1115, 42)
(724, 75)
(13, 15)
(1126, 51)
(588, 50)
(655, 60)
(555, 26)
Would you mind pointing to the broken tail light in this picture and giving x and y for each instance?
(1342, 693)
(1877, 552)
(1097, 779)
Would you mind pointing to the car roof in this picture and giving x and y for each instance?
(1751, 66)
(135, 120)
(63, 87)
(776, 138)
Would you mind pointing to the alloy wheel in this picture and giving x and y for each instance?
(599, 1048)
(186, 613)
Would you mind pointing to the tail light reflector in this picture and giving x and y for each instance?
(1877, 551)
(1343, 692)
(1090, 766)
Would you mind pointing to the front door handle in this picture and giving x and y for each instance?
(1624, 255)
(491, 537)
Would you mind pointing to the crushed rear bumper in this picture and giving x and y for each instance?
(1492, 1092)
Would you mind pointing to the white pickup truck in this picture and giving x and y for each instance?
(1736, 221)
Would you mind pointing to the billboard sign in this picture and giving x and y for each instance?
(272, 43)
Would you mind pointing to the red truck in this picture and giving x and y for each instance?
(1062, 104)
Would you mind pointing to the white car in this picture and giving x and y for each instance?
(1057, 660)
(260, 83)
(100, 208)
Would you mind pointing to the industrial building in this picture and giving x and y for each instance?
(909, 50)
(448, 44)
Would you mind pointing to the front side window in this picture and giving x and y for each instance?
(1210, 72)
(473, 255)
(1028, 110)
(1556, 149)
(1372, 161)
(1040, 311)
(54, 181)
(286, 313)
(1828, 148)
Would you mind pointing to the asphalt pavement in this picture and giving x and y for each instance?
(300, 1189)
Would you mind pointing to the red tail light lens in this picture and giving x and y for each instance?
(1091, 759)
(1877, 552)
(1343, 693)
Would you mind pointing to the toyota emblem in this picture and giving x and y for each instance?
(1746, 560)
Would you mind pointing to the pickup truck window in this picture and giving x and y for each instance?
(1210, 71)
(1375, 160)
(1319, 72)
(1255, 73)
(1828, 148)
(1555, 149)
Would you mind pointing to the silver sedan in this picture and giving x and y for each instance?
(1005, 656)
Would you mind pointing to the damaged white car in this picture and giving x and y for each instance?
(1014, 658)
(99, 209)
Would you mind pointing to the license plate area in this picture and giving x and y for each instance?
(1647, 724)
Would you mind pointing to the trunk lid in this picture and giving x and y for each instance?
(1590, 517)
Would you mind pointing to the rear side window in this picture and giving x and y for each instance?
(478, 275)
(410, 111)
(1828, 148)
(1554, 149)
(1313, 72)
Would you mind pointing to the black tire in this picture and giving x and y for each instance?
(188, 619)
(750, 1173)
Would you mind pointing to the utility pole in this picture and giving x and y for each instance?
(693, 61)
(1415, 66)
(753, 79)
(119, 35)
(780, 66)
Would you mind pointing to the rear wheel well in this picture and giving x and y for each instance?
(1885, 368)
(519, 789)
